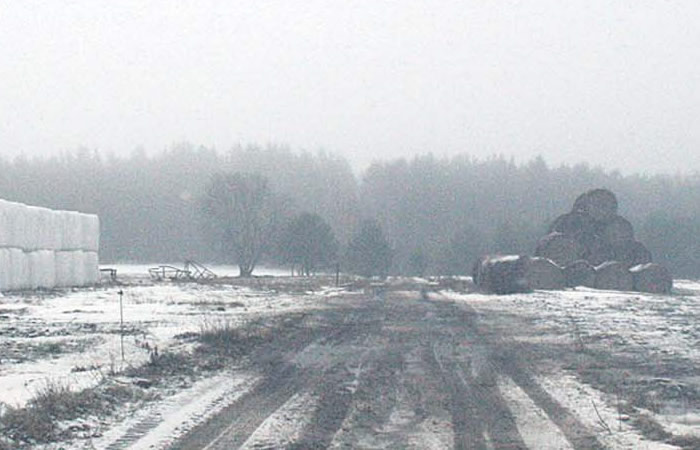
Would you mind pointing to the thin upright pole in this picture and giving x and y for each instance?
(121, 322)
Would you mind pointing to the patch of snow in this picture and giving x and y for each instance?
(535, 427)
(580, 399)
(285, 425)
(171, 418)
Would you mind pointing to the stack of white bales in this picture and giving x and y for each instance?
(44, 248)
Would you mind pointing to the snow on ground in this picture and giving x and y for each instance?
(662, 327)
(536, 429)
(159, 424)
(74, 338)
(285, 425)
(598, 412)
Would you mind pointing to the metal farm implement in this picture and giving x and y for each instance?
(193, 271)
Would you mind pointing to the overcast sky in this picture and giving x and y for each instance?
(613, 83)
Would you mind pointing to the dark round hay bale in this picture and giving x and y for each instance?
(503, 274)
(561, 249)
(618, 229)
(580, 273)
(631, 253)
(600, 204)
(613, 275)
(652, 278)
(542, 273)
(573, 224)
(476, 270)
(596, 250)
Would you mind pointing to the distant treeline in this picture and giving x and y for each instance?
(439, 214)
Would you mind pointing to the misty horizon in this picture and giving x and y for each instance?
(613, 85)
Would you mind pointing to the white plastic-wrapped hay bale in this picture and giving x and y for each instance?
(15, 223)
(42, 266)
(613, 275)
(62, 228)
(652, 278)
(45, 241)
(31, 229)
(92, 268)
(59, 224)
(91, 232)
(78, 258)
(73, 231)
(20, 269)
(64, 268)
(4, 229)
(42, 269)
(35, 270)
(543, 273)
(580, 273)
(5, 269)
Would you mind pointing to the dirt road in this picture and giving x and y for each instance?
(394, 370)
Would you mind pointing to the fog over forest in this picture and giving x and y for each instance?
(438, 213)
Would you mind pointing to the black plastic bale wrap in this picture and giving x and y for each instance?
(543, 273)
(573, 224)
(580, 273)
(652, 278)
(614, 276)
(558, 247)
(600, 204)
(617, 230)
(503, 274)
(631, 253)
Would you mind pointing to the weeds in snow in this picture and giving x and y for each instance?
(231, 339)
(38, 421)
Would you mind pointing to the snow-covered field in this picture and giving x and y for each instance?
(73, 338)
(653, 330)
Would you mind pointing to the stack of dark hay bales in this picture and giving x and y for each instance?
(597, 248)
(590, 246)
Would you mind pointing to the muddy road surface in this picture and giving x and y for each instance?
(391, 370)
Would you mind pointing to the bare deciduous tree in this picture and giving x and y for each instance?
(245, 213)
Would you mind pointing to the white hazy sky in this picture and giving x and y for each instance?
(613, 83)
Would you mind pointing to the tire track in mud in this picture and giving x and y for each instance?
(371, 404)
(502, 357)
(335, 394)
(398, 403)
(454, 367)
(282, 380)
(481, 416)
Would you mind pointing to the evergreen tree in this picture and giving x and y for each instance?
(308, 243)
(369, 253)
